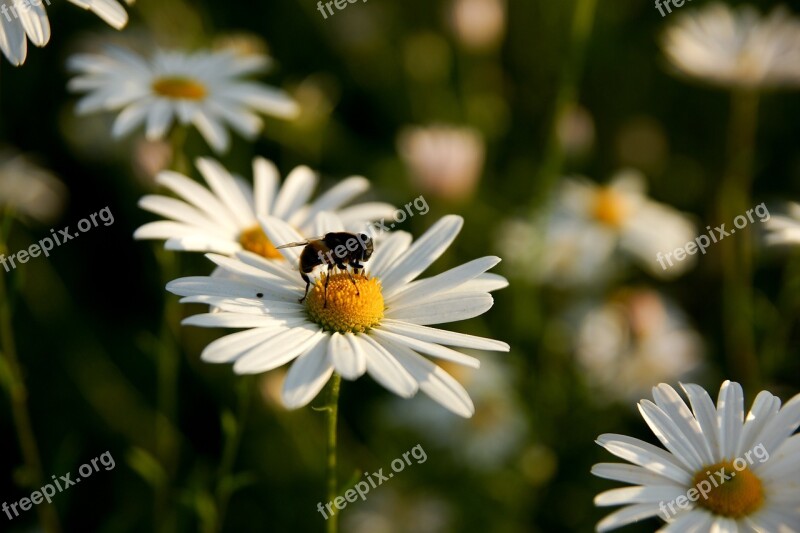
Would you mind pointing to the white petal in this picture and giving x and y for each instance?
(199, 197)
(648, 494)
(226, 189)
(435, 382)
(336, 196)
(428, 348)
(280, 233)
(159, 118)
(423, 252)
(645, 455)
(730, 417)
(440, 336)
(441, 283)
(627, 515)
(266, 178)
(387, 250)
(443, 308)
(347, 357)
(228, 348)
(306, 377)
(33, 17)
(675, 408)
(212, 130)
(296, 190)
(635, 475)
(705, 414)
(385, 369)
(279, 349)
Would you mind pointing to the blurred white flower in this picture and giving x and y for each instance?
(389, 511)
(30, 190)
(203, 89)
(21, 20)
(592, 230)
(736, 46)
(444, 161)
(479, 24)
(224, 217)
(784, 228)
(634, 340)
(488, 439)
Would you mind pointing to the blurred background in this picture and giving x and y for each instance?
(482, 106)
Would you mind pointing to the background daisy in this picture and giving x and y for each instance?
(223, 218)
(204, 89)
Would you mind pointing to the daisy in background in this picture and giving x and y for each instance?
(784, 228)
(28, 190)
(380, 326)
(592, 231)
(757, 456)
(633, 340)
(224, 217)
(486, 441)
(21, 20)
(736, 47)
(204, 89)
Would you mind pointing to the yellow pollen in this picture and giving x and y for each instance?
(346, 310)
(179, 88)
(610, 207)
(737, 496)
(256, 241)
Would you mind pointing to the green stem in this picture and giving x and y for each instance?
(230, 451)
(567, 94)
(736, 250)
(332, 414)
(18, 395)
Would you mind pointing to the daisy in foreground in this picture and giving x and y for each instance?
(374, 322)
(21, 18)
(204, 89)
(224, 218)
(721, 471)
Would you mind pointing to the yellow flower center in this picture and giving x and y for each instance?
(179, 88)
(734, 493)
(256, 241)
(609, 207)
(347, 309)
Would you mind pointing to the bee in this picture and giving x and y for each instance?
(335, 249)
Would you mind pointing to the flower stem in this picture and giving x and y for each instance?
(18, 394)
(332, 414)
(736, 251)
(567, 95)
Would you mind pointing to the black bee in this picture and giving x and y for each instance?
(338, 249)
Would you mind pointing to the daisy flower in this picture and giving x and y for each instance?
(223, 218)
(784, 228)
(29, 190)
(445, 161)
(633, 340)
(376, 322)
(21, 20)
(721, 471)
(204, 89)
(592, 230)
(736, 47)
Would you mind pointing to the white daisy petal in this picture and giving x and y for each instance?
(296, 190)
(648, 494)
(306, 377)
(444, 308)
(440, 336)
(645, 455)
(228, 348)
(635, 475)
(444, 282)
(336, 196)
(435, 382)
(265, 178)
(387, 251)
(346, 355)
(225, 188)
(384, 368)
(730, 416)
(279, 350)
(627, 515)
(705, 414)
(428, 348)
(422, 253)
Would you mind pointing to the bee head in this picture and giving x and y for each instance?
(366, 246)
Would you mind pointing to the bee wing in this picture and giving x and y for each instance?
(299, 243)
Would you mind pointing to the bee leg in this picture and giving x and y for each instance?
(308, 284)
(358, 293)
(327, 279)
